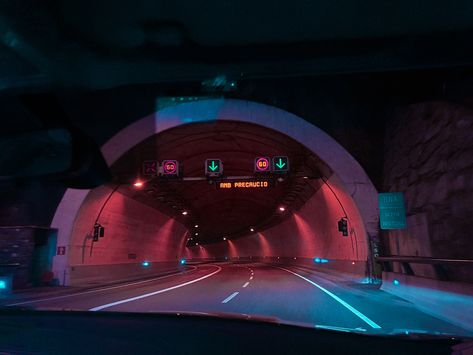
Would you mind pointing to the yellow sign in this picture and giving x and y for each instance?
(248, 184)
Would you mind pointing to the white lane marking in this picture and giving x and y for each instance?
(98, 308)
(339, 300)
(342, 329)
(251, 278)
(100, 289)
(229, 298)
(246, 284)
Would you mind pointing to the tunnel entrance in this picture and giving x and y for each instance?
(164, 220)
(221, 212)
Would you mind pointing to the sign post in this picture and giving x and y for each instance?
(392, 213)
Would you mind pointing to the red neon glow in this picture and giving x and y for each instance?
(264, 245)
(232, 250)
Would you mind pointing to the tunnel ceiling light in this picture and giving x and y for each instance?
(196, 234)
(184, 213)
(305, 177)
(224, 238)
(196, 226)
(282, 209)
(138, 183)
(252, 230)
(196, 243)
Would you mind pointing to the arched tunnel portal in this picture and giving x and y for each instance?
(164, 220)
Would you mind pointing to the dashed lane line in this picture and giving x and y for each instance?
(229, 298)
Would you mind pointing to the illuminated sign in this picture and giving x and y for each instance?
(262, 165)
(245, 184)
(392, 213)
(213, 167)
(280, 164)
(150, 167)
(170, 167)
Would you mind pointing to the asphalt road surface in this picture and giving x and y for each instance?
(281, 293)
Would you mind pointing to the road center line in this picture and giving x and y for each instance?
(100, 289)
(108, 305)
(246, 284)
(229, 298)
(338, 299)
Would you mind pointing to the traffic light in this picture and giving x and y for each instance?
(99, 232)
(343, 226)
(280, 164)
(213, 168)
(96, 232)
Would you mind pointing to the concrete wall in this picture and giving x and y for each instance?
(308, 233)
(91, 275)
(133, 232)
(429, 157)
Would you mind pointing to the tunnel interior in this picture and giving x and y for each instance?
(217, 212)
(166, 219)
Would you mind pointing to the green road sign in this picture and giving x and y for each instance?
(213, 167)
(392, 213)
(280, 164)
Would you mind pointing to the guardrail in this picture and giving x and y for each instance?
(437, 263)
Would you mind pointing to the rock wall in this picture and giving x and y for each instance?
(26, 253)
(429, 157)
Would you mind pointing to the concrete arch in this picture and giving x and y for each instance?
(350, 176)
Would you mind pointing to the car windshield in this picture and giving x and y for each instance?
(296, 163)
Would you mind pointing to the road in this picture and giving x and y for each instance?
(287, 293)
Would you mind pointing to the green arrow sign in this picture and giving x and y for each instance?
(280, 164)
(214, 166)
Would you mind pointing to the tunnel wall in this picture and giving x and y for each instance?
(134, 232)
(306, 234)
(352, 176)
(429, 157)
